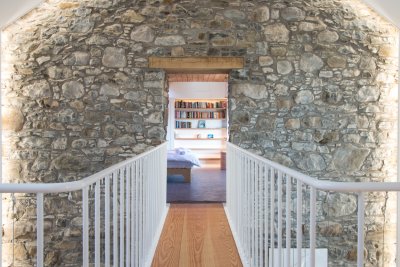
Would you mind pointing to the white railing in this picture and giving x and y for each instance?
(269, 205)
(128, 225)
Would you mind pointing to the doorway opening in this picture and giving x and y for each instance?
(197, 134)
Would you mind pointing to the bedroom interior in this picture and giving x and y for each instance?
(197, 133)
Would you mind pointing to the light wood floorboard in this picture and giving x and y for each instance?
(196, 235)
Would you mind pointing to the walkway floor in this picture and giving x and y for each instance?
(196, 235)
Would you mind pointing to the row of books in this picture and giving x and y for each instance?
(186, 104)
(199, 115)
(183, 124)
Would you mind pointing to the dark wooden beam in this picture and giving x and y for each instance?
(196, 64)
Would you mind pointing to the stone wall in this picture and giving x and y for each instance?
(318, 94)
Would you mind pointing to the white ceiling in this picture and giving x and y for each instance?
(11, 10)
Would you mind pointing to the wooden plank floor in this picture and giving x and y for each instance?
(196, 235)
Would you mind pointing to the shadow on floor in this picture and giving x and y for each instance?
(207, 185)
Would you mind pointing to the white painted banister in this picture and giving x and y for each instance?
(133, 193)
(264, 200)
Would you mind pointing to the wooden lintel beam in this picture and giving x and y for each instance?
(196, 64)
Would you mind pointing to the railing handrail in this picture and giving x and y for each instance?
(324, 185)
(70, 186)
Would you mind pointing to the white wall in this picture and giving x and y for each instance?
(190, 90)
(390, 9)
(198, 90)
(11, 10)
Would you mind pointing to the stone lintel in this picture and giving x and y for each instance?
(196, 64)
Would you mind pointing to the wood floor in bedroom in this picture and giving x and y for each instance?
(208, 185)
(196, 235)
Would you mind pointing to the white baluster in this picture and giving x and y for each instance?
(280, 207)
(266, 212)
(288, 219)
(272, 221)
(85, 226)
(360, 230)
(128, 216)
(313, 217)
(97, 225)
(107, 210)
(299, 221)
(115, 219)
(121, 217)
(40, 230)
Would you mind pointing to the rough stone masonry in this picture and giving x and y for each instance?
(318, 94)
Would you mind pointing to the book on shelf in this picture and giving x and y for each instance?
(200, 104)
(200, 115)
(183, 124)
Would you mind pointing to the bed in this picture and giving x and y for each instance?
(180, 162)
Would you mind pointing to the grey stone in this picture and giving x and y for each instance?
(328, 36)
(254, 91)
(100, 3)
(156, 132)
(339, 205)
(293, 14)
(114, 57)
(306, 26)
(143, 34)
(59, 73)
(41, 60)
(82, 25)
(283, 159)
(171, 40)
(109, 89)
(79, 143)
(111, 131)
(34, 142)
(77, 58)
(234, 14)
(266, 123)
(265, 61)
(368, 63)
(241, 117)
(368, 94)
(37, 89)
(312, 122)
(304, 97)
(97, 39)
(310, 62)
(115, 29)
(60, 143)
(329, 228)
(281, 90)
(262, 14)
(292, 124)
(310, 162)
(66, 116)
(133, 95)
(325, 74)
(284, 67)
(300, 146)
(276, 33)
(130, 16)
(69, 162)
(337, 62)
(156, 117)
(349, 158)
(125, 140)
(73, 90)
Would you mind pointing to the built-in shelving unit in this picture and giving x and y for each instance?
(201, 125)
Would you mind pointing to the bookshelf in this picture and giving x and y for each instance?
(201, 125)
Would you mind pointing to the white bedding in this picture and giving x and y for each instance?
(182, 158)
